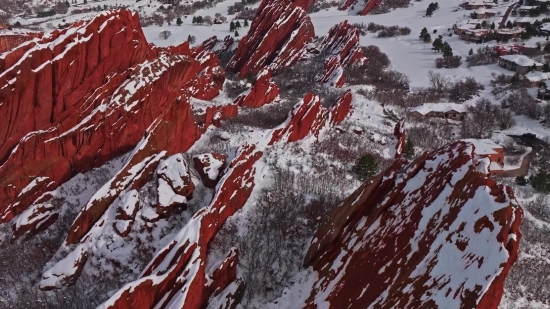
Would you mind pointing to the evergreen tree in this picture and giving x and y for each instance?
(541, 182)
(200, 20)
(178, 21)
(246, 22)
(366, 167)
(437, 44)
(478, 26)
(422, 33)
(429, 12)
(85, 1)
(427, 38)
(509, 25)
(447, 50)
(237, 25)
(236, 33)
(534, 67)
(546, 67)
(408, 151)
(471, 52)
(493, 26)
(232, 26)
(194, 20)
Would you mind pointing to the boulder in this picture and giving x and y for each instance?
(210, 167)
(277, 38)
(433, 233)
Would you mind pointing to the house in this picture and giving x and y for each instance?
(536, 77)
(519, 63)
(486, 148)
(508, 34)
(458, 30)
(524, 21)
(451, 111)
(524, 10)
(475, 35)
(472, 5)
(489, 5)
(516, 49)
(483, 13)
(544, 28)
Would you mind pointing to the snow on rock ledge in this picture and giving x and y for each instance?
(210, 166)
(277, 37)
(433, 233)
(177, 275)
(262, 92)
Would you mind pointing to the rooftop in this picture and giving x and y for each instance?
(483, 146)
(537, 76)
(439, 107)
(521, 60)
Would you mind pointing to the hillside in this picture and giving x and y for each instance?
(150, 158)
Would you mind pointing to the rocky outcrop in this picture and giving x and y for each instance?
(220, 48)
(9, 39)
(78, 97)
(342, 43)
(435, 233)
(263, 91)
(308, 118)
(400, 138)
(369, 6)
(178, 275)
(277, 38)
(210, 167)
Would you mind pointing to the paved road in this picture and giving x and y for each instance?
(523, 169)
(505, 18)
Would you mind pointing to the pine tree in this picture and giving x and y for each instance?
(422, 33)
(471, 52)
(194, 20)
(232, 26)
(237, 25)
(540, 182)
(200, 20)
(427, 38)
(236, 33)
(246, 22)
(493, 26)
(178, 21)
(534, 67)
(366, 167)
(546, 67)
(437, 44)
(447, 50)
(509, 25)
(408, 151)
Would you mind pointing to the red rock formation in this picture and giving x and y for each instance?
(9, 40)
(220, 48)
(210, 167)
(308, 118)
(262, 92)
(86, 98)
(399, 133)
(177, 274)
(346, 4)
(369, 6)
(277, 37)
(342, 42)
(435, 233)
(341, 109)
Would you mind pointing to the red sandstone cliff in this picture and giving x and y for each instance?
(277, 38)
(433, 233)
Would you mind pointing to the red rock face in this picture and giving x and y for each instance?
(220, 48)
(369, 6)
(277, 38)
(177, 274)
(210, 167)
(342, 42)
(62, 105)
(400, 224)
(401, 139)
(341, 109)
(12, 40)
(262, 92)
(309, 117)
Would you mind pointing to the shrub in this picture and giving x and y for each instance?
(448, 62)
(165, 34)
(483, 56)
(541, 182)
(464, 90)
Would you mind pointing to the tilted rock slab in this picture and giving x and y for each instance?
(434, 233)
